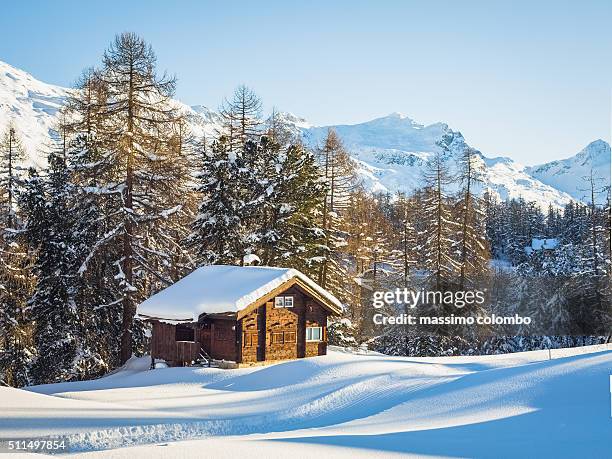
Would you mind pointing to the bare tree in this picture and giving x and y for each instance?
(241, 117)
(339, 175)
(440, 225)
(473, 246)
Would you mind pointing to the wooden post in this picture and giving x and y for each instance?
(611, 396)
(212, 339)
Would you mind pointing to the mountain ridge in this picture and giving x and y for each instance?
(390, 151)
(563, 173)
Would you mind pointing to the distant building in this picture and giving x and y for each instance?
(542, 245)
(243, 314)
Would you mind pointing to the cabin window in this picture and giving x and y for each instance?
(250, 339)
(314, 333)
(277, 338)
(289, 337)
(184, 333)
(283, 302)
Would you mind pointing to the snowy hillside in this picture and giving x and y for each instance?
(348, 405)
(568, 174)
(32, 105)
(390, 151)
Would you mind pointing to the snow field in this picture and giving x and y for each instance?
(491, 406)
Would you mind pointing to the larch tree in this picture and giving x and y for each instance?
(473, 250)
(11, 155)
(340, 180)
(95, 200)
(241, 117)
(16, 282)
(405, 256)
(441, 228)
(146, 172)
(279, 130)
(366, 258)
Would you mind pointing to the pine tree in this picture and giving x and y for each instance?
(493, 223)
(53, 307)
(594, 276)
(219, 235)
(289, 231)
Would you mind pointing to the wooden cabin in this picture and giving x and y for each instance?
(245, 315)
(545, 246)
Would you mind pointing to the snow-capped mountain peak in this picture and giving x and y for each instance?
(596, 153)
(390, 151)
(206, 113)
(570, 174)
(293, 120)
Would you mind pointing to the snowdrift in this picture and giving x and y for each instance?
(514, 405)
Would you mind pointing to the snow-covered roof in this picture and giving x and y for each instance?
(546, 244)
(222, 288)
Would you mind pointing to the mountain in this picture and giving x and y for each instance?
(569, 174)
(390, 151)
(32, 105)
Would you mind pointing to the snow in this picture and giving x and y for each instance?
(32, 105)
(546, 244)
(392, 151)
(221, 288)
(541, 244)
(569, 175)
(250, 259)
(342, 404)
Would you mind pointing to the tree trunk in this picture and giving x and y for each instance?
(128, 306)
(10, 179)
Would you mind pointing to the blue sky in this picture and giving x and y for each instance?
(529, 80)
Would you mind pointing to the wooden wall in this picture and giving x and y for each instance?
(315, 316)
(219, 338)
(266, 333)
(163, 341)
(165, 346)
(269, 333)
(248, 327)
